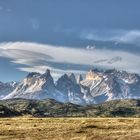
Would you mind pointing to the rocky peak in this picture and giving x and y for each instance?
(47, 77)
(6, 88)
(63, 79)
(64, 83)
(13, 83)
(49, 82)
(33, 74)
(72, 78)
(8, 84)
(79, 78)
(127, 77)
(46, 74)
(111, 71)
(91, 75)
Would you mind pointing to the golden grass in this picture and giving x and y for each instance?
(28, 128)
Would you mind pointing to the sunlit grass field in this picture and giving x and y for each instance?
(29, 128)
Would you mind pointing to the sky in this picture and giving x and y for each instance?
(68, 36)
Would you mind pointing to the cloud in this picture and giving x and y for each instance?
(39, 57)
(130, 37)
(119, 36)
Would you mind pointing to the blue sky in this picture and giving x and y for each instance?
(68, 36)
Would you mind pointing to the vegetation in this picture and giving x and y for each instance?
(52, 108)
(69, 128)
(48, 119)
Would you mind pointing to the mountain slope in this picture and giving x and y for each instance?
(69, 87)
(110, 85)
(6, 88)
(37, 86)
(53, 108)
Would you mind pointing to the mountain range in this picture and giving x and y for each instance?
(97, 87)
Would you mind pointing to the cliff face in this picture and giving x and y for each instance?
(91, 75)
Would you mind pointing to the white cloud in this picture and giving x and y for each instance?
(39, 57)
(122, 36)
(130, 37)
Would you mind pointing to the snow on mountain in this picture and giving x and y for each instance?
(97, 87)
(37, 86)
(79, 78)
(67, 85)
(111, 84)
(6, 88)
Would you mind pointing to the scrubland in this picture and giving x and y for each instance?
(30, 128)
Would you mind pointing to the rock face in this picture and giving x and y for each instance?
(6, 88)
(92, 76)
(72, 78)
(70, 88)
(37, 86)
(97, 87)
(112, 84)
(79, 79)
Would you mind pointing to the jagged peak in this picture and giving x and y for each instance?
(65, 76)
(72, 78)
(79, 78)
(64, 79)
(92, 75)
(33, 74)
(12, 83)
(46, 74)
(111, 71)
(72, 74)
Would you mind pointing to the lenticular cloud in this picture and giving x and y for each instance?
(60, 59)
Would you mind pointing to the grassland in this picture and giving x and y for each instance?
(29, 128)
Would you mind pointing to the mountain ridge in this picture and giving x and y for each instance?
(98, 87)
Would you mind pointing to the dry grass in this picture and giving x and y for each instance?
(28, 128)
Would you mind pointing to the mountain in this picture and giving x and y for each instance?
(53, 108)
(79, 78)
(97, 87)
(68, 86)
(111, 84)
(6, 88)
(37, 86)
